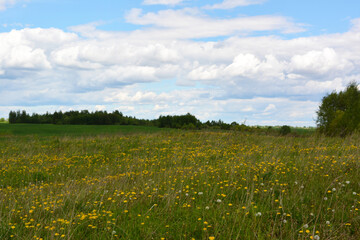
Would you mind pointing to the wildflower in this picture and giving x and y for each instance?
(258, 214)
(347, 182)
(113, 232)
(211, 238)
(200, 193)
(207, 207)
(218, 200)
(354, 193)
(334, 189)
(316, 237)
(284, 221)
(325, 198)
(328, 222)
(306, 226)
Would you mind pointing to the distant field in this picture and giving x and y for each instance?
(162, 184)
(72, 130)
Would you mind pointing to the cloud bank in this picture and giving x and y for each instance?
(161, 69)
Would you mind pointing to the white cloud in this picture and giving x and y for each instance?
(4, 4)
(356, 24)
(270, 107)
(190, 23)
(228, 4)
(162, 2)
(254, 78)
(320, 62)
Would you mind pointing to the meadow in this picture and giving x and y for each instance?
(144, 183)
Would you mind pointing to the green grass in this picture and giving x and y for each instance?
(72, 130)
(177, 185)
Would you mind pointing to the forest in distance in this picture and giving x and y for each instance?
(338, 114)
(186, 121)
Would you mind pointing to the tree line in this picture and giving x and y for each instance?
(338, 115)
(84, 117)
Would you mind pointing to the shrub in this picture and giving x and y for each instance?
(285, 130)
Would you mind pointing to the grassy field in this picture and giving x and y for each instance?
(72, 130)
(176, 185)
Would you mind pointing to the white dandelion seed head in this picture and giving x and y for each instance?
(200, 193)
(325, 198)
(316, 237)
(328, 222)
(258, 214)
(207, 207)
(218, 200)
(284, 221)
(347, 182)
(354, 193)
(306, 226)
(334, 189)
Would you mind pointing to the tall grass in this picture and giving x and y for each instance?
(179, 185)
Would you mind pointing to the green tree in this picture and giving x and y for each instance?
(285, 130)
(339, 113)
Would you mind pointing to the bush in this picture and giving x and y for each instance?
(285, 130)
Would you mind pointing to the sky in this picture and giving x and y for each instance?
(258, 62)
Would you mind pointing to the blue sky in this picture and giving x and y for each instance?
(318, 16)
(268, 62)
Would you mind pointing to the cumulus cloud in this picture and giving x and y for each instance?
(320, 62)
(228, 4)
(238, 78)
